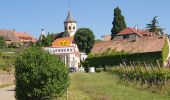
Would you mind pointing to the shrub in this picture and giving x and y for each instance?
(115, 58)
(7, 61)
(39, 75)
(165, 51)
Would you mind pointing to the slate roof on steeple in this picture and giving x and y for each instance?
(69, 18)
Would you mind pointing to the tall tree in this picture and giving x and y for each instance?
(85, 39)
(118, 22)
(153, 26)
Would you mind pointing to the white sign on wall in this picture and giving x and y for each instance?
(60, 50)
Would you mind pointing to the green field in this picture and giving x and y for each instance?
(104, 86)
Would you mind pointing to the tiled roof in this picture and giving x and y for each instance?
(58, 35)
(16, 36)
(129, 30)
(139, 45)
(69, 18)
(10, 34)
(25, 36)
(60, 42)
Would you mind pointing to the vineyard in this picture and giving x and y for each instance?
(145, 75)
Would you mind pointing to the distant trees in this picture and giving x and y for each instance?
(85, 39)
(98, 40)
(45, 40)
(153, 26)
(40, 75)
(118, 22)
(2, 42)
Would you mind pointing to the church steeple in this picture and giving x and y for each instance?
(70, 25)
(69, 18)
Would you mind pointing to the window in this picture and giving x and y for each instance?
(65, 28)
(125, 36)
(69, 28)
(74, 28)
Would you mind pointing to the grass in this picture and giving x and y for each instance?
(104, 86)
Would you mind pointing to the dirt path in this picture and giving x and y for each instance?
(7, 93)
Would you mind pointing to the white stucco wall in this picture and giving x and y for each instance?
(71, 31)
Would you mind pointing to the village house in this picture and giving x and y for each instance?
(11, 36)
(64, 45)
(133, 40)
(132, 33)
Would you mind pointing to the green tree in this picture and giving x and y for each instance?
(46, 40)
(85, 39)
(118, 22)
(153, 26)
(40, 75)
(2, 42)
(98, 40)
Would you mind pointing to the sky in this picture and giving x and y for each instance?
(32, 15)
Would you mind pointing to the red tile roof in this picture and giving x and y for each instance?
(16, 36)
(25, 37)
(129, 30)
(141, 45)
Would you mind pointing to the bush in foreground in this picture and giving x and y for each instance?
(39, 75)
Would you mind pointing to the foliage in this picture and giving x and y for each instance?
(15, 45)
(2, 42)
(7, 61)
(46, 40)
(165, 51)
(118, 22)
(154, 77)
(85, 39)
(105, 86)
(98, 40)
(39, 75)
(153, 27)
(111, 57)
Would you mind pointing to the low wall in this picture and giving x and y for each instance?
(6, 78)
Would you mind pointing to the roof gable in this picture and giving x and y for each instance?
(128, 31)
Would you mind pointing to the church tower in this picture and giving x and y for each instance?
(70, 25)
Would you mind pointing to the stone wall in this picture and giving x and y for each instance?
(6, 78)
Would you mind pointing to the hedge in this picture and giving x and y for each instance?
(110, 60)
(111, 57)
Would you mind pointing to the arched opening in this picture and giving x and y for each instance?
(69, 27)
(74, 28)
